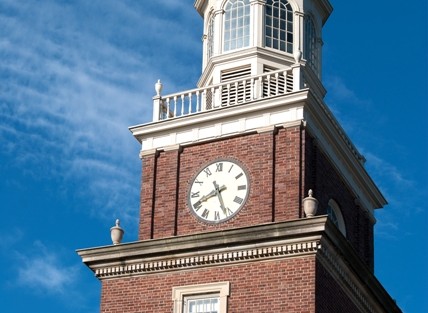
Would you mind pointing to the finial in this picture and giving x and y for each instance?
(158, 88)
(297, 56)
(116, 233)
(310, 204)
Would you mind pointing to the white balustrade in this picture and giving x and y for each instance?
(226, 94)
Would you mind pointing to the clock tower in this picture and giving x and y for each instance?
(253, 197)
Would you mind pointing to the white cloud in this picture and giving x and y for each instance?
(70, 86)
(43, 271)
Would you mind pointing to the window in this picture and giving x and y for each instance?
(202, 304)
(205, 298)
(236, 25)
(335, 214)
(279, 25)
(210, 37)
(310, 49)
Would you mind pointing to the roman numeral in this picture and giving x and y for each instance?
(238, 200)
(195, 194)
(242, 187)
(205, 213)
(197, 205)
(207, 171)
(230, 168)
(229, 212)
(239, 175)
(217, 215)
(219, 167)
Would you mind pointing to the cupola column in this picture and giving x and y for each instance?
(298, 35)
(256, 26)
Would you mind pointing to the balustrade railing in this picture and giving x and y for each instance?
(226, 94)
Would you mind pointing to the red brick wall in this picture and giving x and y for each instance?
(275, 286)
(278, 171)
(273, 163)
(323, 178)
(330, 298)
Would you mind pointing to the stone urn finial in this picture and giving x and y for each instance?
(158, 88)
(310, 205)
(116, 233)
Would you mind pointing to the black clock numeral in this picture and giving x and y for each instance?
(242, 187)
(207, 171)
(239, 175)
(197, 205)
(219, 167)
(205, 213)
(230, 168)
(238, 200)
(217, 215)
(229, 212)
(194, 194)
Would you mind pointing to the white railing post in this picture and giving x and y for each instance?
(156, 108)
(297, 77)
(157, 101)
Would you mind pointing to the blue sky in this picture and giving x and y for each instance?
(75, 74)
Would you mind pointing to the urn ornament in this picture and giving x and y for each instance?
(116, 233)
(310, 205)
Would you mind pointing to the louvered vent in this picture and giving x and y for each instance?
(236, 92)
(277, 84)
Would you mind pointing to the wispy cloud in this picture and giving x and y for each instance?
(42, 270)
(70, 86)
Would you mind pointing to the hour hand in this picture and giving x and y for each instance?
(206, 197)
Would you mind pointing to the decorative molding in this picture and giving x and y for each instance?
(209, 259)
(314, 237)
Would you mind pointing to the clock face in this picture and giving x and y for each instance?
(218, 191)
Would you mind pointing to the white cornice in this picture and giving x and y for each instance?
(289, 109)
(222, 123)
(316, 237)
(332, 139)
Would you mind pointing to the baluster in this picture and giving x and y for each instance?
(228, 94)
(277, 84)
(167, 108)
(213, 102)
(182, 105)
(190, 102)
(198, 103)
(285, 73)
(260, 87)
(236, 92)
(245, 90)
(175, 105)
(219, 96)
(268, 83)
(253, 89)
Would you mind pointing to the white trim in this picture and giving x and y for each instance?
(222, 289)
(339, 216)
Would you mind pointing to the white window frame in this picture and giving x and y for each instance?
(219, 289)
(337, 219)
(240, 36)
(272, 33)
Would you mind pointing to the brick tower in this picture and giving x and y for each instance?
(253, 198)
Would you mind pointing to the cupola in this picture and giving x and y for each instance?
(244, 38)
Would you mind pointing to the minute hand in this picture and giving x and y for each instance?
(220, 198)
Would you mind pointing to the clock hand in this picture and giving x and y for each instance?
(206, 197)
(220, 198)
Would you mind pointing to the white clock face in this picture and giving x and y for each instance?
(218, 191)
